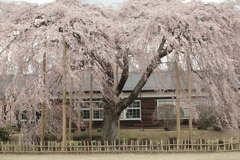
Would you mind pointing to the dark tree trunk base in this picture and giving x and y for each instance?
(110, 126)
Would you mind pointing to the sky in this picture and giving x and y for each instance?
(105, 2)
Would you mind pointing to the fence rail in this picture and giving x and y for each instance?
(200, 145)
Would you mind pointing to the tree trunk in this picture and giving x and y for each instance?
(110, 124)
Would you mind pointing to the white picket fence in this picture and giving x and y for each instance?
(87, 147)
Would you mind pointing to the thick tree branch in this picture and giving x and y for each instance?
(124, 75)
(162, 52)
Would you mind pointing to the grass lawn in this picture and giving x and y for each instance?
(158, 134)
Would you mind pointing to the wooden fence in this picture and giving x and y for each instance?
(87, 147)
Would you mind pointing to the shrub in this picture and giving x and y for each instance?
(50, 137)
(217, 123)
(166, 113)
(97, 138)
(217, 128)
(99, 130)
(80, 137)
(7, 132)
(4, 135)
(205, 116)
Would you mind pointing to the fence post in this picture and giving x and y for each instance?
(1, 147)
(114, 146)
(161, 143)
(99, 146)
(88, 148)
(205, 145)
(238, 142)
(137, 145)
(92, 145)
(200, 144)
(75, 146)
(84, 146)
(26, 147)
(41, 146)
(208, 144)
(107, 147)
(151, 146)
(124, 145)
(168, 145)
(229, 143)
(217, 146)
(33, 144)
(49, 146)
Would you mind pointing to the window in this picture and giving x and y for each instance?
(85, 110)
(97, 110)
(195, 102)
(27, 115)
(132, 112)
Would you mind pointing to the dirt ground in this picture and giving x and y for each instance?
(160, 156)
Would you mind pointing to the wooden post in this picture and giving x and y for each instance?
(79, 111)
(119, 128)
(70, 109)
(177, 100)
(189, 97)
(42, 127)
(91, 107)
(64, 120)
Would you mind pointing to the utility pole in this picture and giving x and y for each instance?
(119, 128)
(42, 127)
(70, 109)
(189, 98)
(91, 106)
(178, 101)
(64, 116)
(79, 111)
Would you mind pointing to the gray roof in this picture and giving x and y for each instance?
(163, 81)
(155, 81)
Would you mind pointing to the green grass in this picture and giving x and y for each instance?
(158, 134)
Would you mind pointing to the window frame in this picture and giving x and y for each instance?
(123, 115)
(25, 120)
